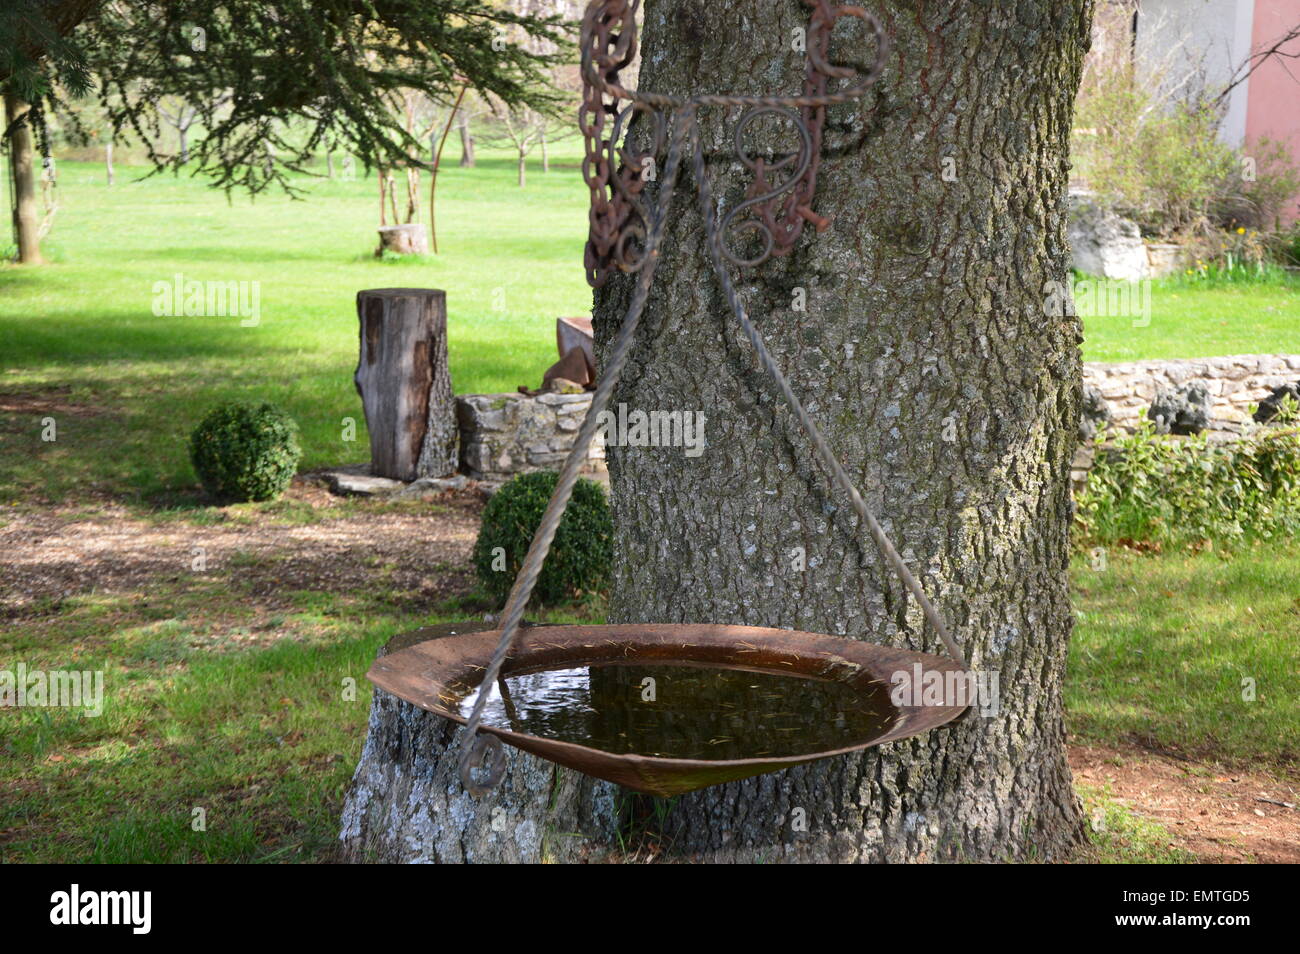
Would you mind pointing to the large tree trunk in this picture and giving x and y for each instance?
(926, 356)
(404, 383)
(22, 169)
(925, 353)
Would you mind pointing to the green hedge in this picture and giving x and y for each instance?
(1147, 488)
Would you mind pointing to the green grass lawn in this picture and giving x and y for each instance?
(82, 331)
(265, 739)
(1193, 321)
(1194, 654)
(80, 342)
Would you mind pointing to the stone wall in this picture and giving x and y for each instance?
(1235, 382)
(506, 434)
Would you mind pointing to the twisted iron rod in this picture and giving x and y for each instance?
(476, 746)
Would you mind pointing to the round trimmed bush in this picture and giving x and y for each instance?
(580, 557)
(245, 451)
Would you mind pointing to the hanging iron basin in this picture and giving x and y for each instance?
(431, 667)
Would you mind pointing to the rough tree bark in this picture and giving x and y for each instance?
(404, 383)
(22, 163)
(916, 330)
(406, 803)
(926, 356)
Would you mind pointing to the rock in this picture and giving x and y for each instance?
(1103, 243)
(1095, 413)
(565, 386)
(1237, 383)
(434, 485)
(1185, 410)
(361, 485)
(505, 434)
(1269, 407)
(490, 487)
(1081, 466)
(1164, 259)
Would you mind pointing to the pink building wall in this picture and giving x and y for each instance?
(1273, 108)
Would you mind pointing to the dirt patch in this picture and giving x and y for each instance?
(1221, 816)
(52, 400)
(50, 555)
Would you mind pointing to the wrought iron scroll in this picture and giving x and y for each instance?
(779, 200)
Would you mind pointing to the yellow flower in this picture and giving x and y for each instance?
(1241, 231)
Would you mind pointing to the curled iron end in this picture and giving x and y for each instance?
(483, 766)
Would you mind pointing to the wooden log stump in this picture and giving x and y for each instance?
(409, 239)
(404, 383)
(406, 803)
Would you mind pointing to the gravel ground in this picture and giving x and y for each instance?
(49, 555)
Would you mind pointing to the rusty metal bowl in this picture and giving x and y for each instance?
(422, 666)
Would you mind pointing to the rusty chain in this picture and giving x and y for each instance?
(626, 234)
(609, 44)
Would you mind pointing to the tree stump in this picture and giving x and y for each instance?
(404, 383)
(410, 239)
(406, 803)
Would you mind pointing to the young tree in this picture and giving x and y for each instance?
(297, 73)
(915, 328)
(180, 117)
(526, 129)
(35, 54)
(463, 119)
(22, 177)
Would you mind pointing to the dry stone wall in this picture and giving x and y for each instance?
(1235, 382)
(506, 434)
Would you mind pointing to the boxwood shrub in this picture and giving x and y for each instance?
(245, 452)
(580, 556)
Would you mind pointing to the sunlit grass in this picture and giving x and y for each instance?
(127, 386)
(82, 345)
(1192, 653)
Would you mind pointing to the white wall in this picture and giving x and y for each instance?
(1197, 45)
